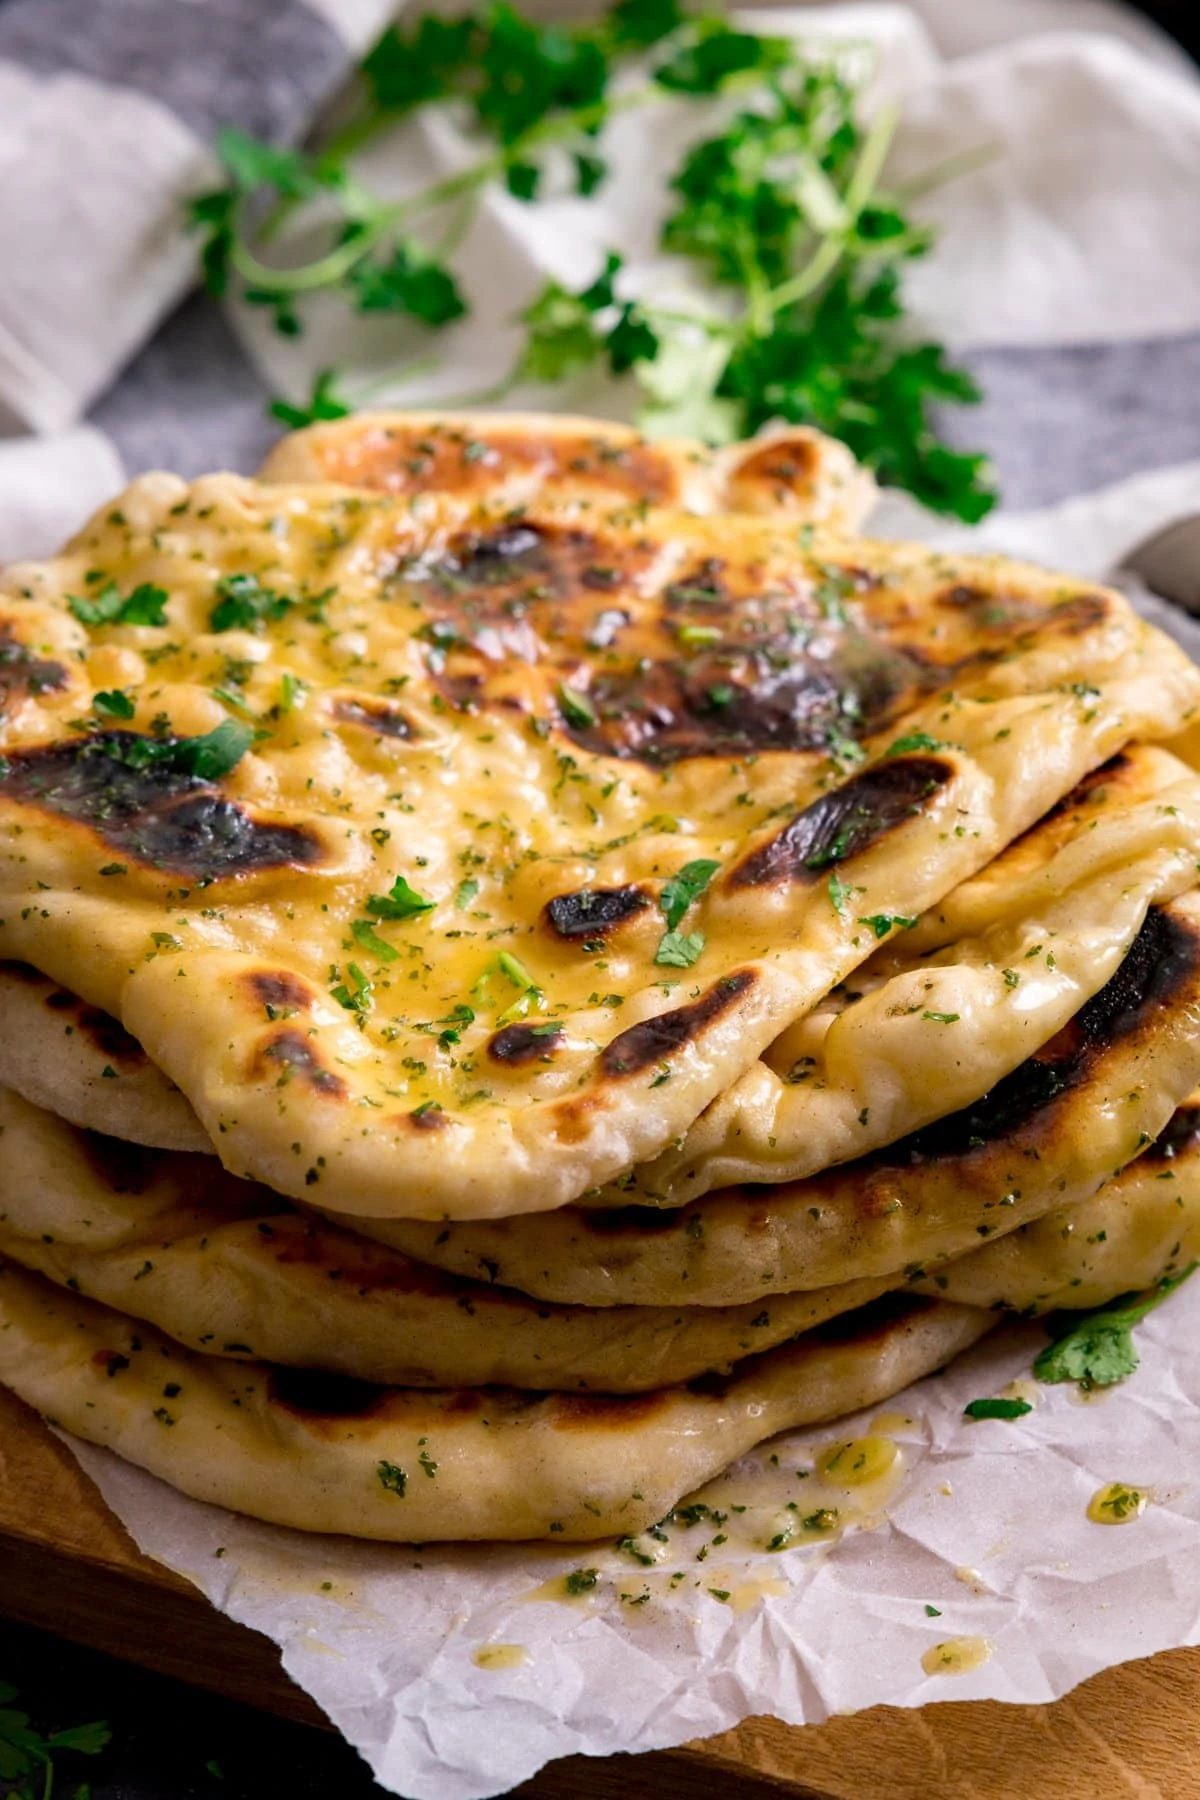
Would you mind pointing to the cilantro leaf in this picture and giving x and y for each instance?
(683, 889)
(1098, 1349)
(144, 606)
(675, 951)
(211, 755)
(324, 402)
(575, 707)
(400, 902)
(997, 1409)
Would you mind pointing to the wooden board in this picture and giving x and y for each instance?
(1131, 1733)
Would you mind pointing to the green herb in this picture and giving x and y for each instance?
(113, 704)
(354, 995)
(144, 606)
(580, 1581)
(916, 740)
(781, 212)
(207, 757)
(245, 604)
(392, 1478)
(464, 893)
(996, 1409)
(400, 902)
(675, 951)
(882, 923)
(932, 1612)
(323, 403)
(682, 890)
(840, 895)
(368, 939)
(25, 1754)
(575, 707)
(1098, 1349)
(938, 1018)
(1123, 1501)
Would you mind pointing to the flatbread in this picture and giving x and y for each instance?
(514, 460)
(1045, 1137)
(227, 1267)
(1012, 954)
(61, 1053)
(223, 920)
(1141, 1227)
(325, 1453)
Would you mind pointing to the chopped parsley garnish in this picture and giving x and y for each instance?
(683, 889)
(368, 939)
(113, 704)
(882, 923)
(580, 1581)
(679, 951)
(1098, 1349)
(146, 605)
(916, 740)
(938, 1018)
(464, 893)
(840, 895)
(392, 1478)
(996, 1409)
(575, 707)
(245, 603)
(400, 902)
(355, 994)
(208, 757)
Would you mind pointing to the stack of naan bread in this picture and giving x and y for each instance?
(536, 961)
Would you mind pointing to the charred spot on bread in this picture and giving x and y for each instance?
(652, 1041)
(845, 821)
(156, 813)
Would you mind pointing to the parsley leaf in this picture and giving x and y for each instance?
(408, 281)
(400, 902)
(324, 402)
(144, 606)
(675, 951)
(246, 604)
(113, 704)
(368, 939)
(685, 888)
(882, 923)
(208, 757)
(26, 1754)
(997, 1409)
(1098, 1349)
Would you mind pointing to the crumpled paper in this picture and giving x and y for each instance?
(988, 1525)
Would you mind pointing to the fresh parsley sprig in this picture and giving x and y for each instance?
(1097, 1349)
(27, 1755)
(782, 214)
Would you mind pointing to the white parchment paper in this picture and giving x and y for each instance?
(988, 1524)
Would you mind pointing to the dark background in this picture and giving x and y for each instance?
(175, 1743)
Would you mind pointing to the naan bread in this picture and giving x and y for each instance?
(1012, 954)
(1045, 1137)
(514, 460)
(79, 1062)
(514, 721)
(1142, 1226)
(227, 1267)
(325, 1453)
